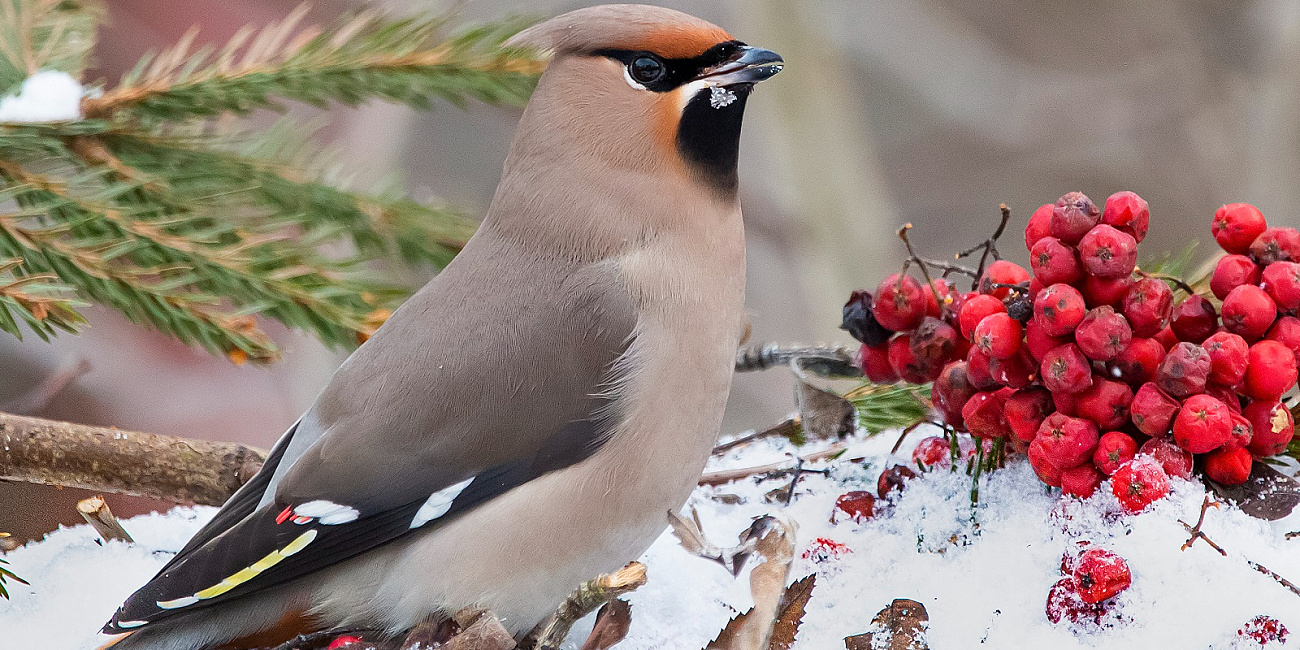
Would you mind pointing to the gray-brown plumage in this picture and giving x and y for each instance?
(525, 420)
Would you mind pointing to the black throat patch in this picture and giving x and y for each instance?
(708, 136)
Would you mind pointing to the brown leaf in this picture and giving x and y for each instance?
(790, 613)
(1267, 494)
(485, 633)
(901, 626)
(612, 623)
(774, 535)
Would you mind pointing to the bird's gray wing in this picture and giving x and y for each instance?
(472, 388)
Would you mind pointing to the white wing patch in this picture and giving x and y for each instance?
(439, 503)
(327, 513)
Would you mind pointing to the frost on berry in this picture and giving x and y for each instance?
(824, 549)
(1067, 441)
(1148, 305)
(893, 479)
(1233, 271)
(1058, 309)
(875, 365)
(860, 323)
(1128, 212)
(1248, 311)
(933, 451)
(1064, 605)
(1103, 334)
(1228, 356)
(1107, 252)
(1066, 370)
(1282, 281)
(1100, 574)
(1194, 319)
(1073, 216)
(1139, 483)
(1138, 362)
(1174, 460)
(1053, 261)
(974, 309)
(899, 303)
(1114, 449)
(1270, 371)
(1229, 465)
(1184, 370)
(1236, 225)
(1271, 427)
(1202, 425)
(1106, 403)
(1264, 630)
(1276, 245)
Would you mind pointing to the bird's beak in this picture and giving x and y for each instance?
(750, 66)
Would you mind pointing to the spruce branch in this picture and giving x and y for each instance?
(40, 301)
(45, 35)
(406, 60)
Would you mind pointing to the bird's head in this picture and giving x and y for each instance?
(643, 89)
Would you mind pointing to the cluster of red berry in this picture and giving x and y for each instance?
(1086, 595)
(1087, 362)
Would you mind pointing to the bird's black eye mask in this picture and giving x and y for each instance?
(659, 74)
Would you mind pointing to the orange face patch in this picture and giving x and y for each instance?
(678, 41)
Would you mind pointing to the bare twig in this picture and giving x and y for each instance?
(96, 513)
(584, 600)
(40, 395)
(784, 429)
(990, 245)
(1196, 534)
(1178, 282)
(178, 470)
(724, 476)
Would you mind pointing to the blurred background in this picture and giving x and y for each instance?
(924, 111)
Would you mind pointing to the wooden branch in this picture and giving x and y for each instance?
(179, 470)
(584, 600)
(724, 476)
(96, 513)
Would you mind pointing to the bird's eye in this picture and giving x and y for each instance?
(646, 69)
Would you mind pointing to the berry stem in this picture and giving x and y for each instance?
(990, 245)
(1177, 282)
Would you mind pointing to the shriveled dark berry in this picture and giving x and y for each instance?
(860, 323)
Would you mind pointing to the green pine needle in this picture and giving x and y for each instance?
(883, 407)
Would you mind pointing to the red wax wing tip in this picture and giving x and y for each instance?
(284, 515)
(343, 642)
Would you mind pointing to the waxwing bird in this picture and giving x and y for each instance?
(525, 421)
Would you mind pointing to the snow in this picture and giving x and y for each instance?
(46, 96)
(983, 574)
